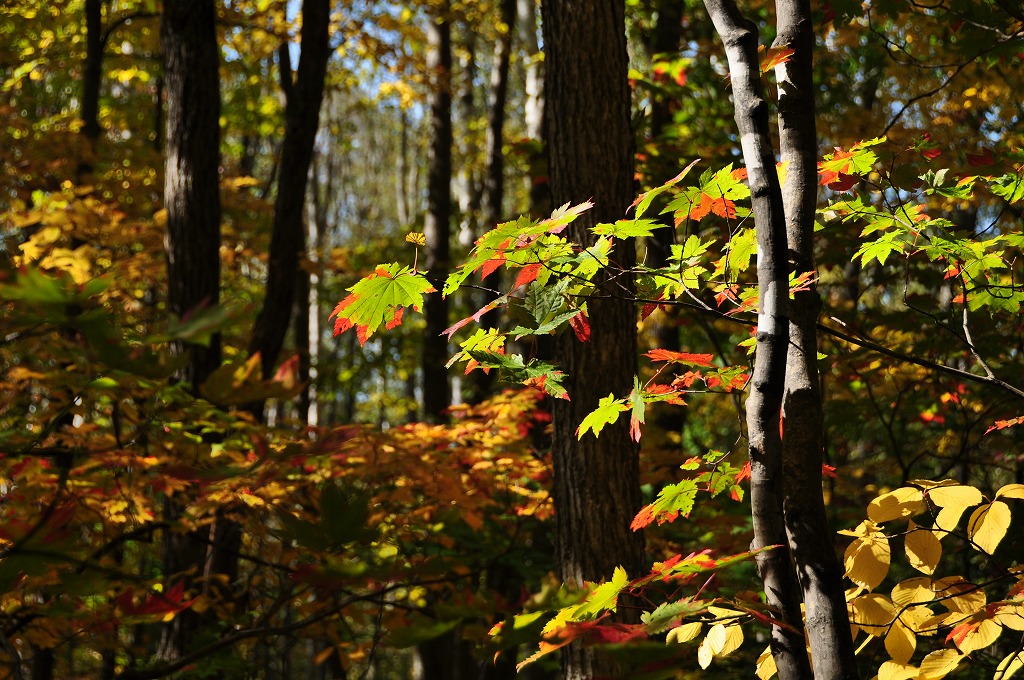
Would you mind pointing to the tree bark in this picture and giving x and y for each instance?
(191, 184)
(287, 239)
(827, 619)
(764, 402)
(437, 222)
(590, 154)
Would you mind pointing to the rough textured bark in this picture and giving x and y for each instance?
(764, 402)
(827, 620)
(437, 222)
(287, 239)
(590, 154)
(192, 201)
(191, 184)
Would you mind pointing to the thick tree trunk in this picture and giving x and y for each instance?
(828, 626)
(287, 239)
(437, 222)
(590, 154)
(767, 385)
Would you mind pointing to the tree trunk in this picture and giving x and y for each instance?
(828, 626)
(287, 239)
(191, 184)
(92, 77)
(437, 222)
(526, 11)
(192, 201)
(590, 154)
(767, 385)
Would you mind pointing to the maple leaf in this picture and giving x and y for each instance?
(580, 326)
(636, 402)
(1003, 424)
(378, 299)
(774, 56)
(673, 500)
(606, 413)
(681, 357)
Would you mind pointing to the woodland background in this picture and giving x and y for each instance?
(198, 479)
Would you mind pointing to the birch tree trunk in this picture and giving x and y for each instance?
(764, 402)
(827, 620)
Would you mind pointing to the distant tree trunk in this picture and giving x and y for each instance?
(302, 119)
(526, 13)
(437, 222)
(764, 402)
(191, 184)
(828, 625)
(402, 172)
(192, 201)
(468, 189)
(92, 75)
(590, 154)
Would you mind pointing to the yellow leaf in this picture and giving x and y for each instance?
(900, 642)
(716, 638)
(732, 642)
(923, 549)
(984, 635)
(957, 495)
(704, 653)
(684, 633)
(890, 670)
(1009, 666)
(939, 663)
(903, 502)
(1010, 616)
(873, 612)
(867, 560)
(960, 595)
(919, 619)
(988, 525)
(1011, 491)
(416, 237)
(766, 667)
(912, 591)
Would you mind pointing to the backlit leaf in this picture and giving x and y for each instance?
(606, 413)
(684, 633)
(1009, 666)
(988, 525)
(939, 663)
(903, 502)
(923, 549)
(377, 299)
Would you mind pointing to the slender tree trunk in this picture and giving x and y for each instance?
(192, 201)
(302, 119)
(191, 184)
(590, 154)
(526, 13)
(764, 402)
(828, 626)
(92, 76)
(437, 222)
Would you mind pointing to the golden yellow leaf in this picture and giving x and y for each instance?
(716, 638)
(867, 560)
(955, 495)
(949, 517)
(732, 642)
(988, 525)
(919, 620)
(912, 591)
(684, 633)
(1010, 616)
(704, 653)
(416, 237)
(873, 612)
(766, 667)
(939, 663)
(923, 548)
(900, 642)
(903, 502)
(958, 594)
(890, 670)
(1009, 666)
(1011, 491)
(985, 634)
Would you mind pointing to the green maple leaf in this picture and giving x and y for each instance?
(380, 299)
(628, 228)
(606, 413)
(605, 597)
